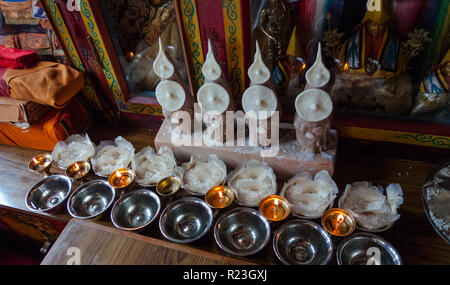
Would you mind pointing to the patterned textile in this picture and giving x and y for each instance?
(18, 12)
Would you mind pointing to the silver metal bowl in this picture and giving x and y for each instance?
(242, 231)
(186, 220)
(366, 249)
(91, 200)
(135, 210)
(301, 242)
(48, 194)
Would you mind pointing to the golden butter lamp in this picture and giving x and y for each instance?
(274, 208)
(41, 164)
(219, 197)
(338, 222)
(78, 170)
(168, 186)
(121, 178)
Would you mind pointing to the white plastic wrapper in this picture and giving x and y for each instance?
(74, 148)
(373, 208)
(112, 155)
(251, 182)
(310, 196)
(202, 173)
(151, 167)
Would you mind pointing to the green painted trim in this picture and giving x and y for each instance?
(190, 13)
(437, 141)
(235, 71)
(64, 34)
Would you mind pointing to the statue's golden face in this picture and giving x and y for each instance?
(446, 69)
(374, 28)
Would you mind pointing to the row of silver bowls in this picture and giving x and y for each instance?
(240, 231)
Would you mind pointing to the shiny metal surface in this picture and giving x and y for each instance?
(242, 231)
(135, 210)
(186, 220)
(91, 199)
(365, 249)
(48, 194)
(168, 186)
(301, 242)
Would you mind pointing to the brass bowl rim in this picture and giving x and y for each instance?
(86, 162)
(44, 155)
(171, 177)
(133, 176)
(233, 195)
(345, 212)
(278, 197)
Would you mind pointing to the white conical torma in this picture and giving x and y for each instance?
(211, 69)
(258, 71)
(318, 75)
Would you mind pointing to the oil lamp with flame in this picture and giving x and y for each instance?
(274, 208)
(338, 222)
(121, 178)
(41, 164)
(219, 197)
(78, 170)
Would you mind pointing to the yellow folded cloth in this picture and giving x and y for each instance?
(47, 83)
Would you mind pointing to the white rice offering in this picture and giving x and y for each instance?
(252, 182)
(112, 155)
(202, 173)
(151, 167)
(310, 196)
(74, 148)
(372, 209)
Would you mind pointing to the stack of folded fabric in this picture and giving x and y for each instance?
(17, 58)
(55, 125)
(37, 108)
(46, 83)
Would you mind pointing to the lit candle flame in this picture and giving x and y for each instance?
(35, 161)
(131, 54)
(118, 174)
(304, 66)
(220, 194)
(340, 218)
(76, 166)
(276, 202)
(346, 67)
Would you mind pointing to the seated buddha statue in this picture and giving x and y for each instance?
(434, 93)
(372, 75)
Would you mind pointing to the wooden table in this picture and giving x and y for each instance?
(381, 163)
(103, 245)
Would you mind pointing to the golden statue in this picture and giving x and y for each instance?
(372, 65)
(272, 32)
